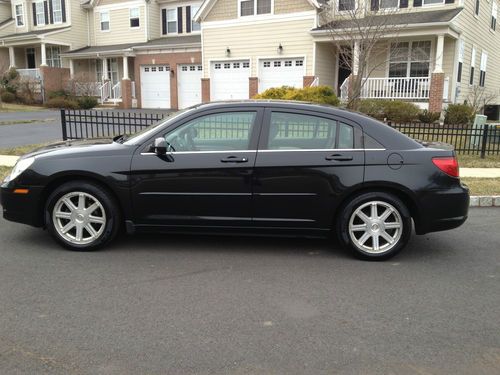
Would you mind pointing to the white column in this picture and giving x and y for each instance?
(12, 58)
(355, 59)
(125, 67)
(43, 54)
(438, 67)
(71, 68)
(105, 70)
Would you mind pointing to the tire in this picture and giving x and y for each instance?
(368, 238)
(79, 229)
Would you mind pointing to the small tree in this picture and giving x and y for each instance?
(83, 84)
(479, 97)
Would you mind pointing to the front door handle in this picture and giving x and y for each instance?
(234, 159)
(339, 157)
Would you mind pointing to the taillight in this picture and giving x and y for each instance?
(448, 165)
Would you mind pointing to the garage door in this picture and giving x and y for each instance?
(155, 86)
(189, 85)
(229, 80)
(280, 72)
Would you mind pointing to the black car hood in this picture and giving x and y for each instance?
(67, 145)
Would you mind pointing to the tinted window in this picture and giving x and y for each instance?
(216, 132)
(346, 136)
(295, 131)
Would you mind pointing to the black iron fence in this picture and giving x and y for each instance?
(82, 124)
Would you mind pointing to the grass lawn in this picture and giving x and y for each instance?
(21, 150)
(483, 186)
(474, 161)
(11, 107)
(4, 171)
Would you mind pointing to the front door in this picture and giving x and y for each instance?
(113, 74)
(30, 58)
(206, 179)
(305, 164)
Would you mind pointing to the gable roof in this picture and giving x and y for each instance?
(208, 4)
(34, 33)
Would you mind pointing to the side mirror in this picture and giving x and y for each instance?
(160, 146)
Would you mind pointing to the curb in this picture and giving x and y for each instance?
(485, 201)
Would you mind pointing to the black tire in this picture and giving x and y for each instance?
(401, 238)
(111, 209)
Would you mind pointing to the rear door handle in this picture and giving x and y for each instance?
(234, 159)
(339, 157)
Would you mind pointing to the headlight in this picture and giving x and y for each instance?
(19, 168)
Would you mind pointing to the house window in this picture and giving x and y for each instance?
(482, 72)
(472, 66)
(19, 15)
(57, 11)
(494, 13)
(389, 4)
(104, 21)
(134, 17)
(171, 21)
(40, 13)
(460, 60)
(195, 26)
(54, 56)
(410, 59)
(477, 8)
(253, 7)
(346, 5)
(433, 2)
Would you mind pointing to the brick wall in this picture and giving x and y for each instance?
(436, 92)
(253, 87)
(172, 59)
(205, 90)
(54, 79)
(308, 80)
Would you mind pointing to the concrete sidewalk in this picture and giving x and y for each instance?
(9, 161)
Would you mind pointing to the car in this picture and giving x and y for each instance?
(245, 167)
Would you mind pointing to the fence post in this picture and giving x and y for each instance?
(63, 124)
(484, 141)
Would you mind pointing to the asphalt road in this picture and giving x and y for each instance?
(214, 305)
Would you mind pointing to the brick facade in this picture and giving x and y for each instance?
(436, 92)
(54, 79)
(253, 86)
(205, 90)
(308, 80)
(172, 59)
(126, 94)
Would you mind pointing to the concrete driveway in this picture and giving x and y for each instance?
(211, 305)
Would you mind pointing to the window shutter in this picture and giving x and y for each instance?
(34, 13)
(164, 21)
(51, 12)
(403, 4)
(179, 20)
(374, 6)
(188, 19)
(63, 10)
(46, 12)
(449, 1)
(417, 3)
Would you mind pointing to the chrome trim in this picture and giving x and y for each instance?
(193, 193)
(285, 194)
(250, 151)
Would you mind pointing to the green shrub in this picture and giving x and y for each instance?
(460, 114)
(8, 97)
(9, 81)
(317, 94)
(398, 111)
(87, 102)
(62, 103)
(428, 117)
(372, 107)
(57, 94)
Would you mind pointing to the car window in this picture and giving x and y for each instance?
(215, 132)
(346, 136)
(289, 131)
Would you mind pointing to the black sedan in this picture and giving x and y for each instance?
(250, 167)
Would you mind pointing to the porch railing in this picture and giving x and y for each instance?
(116, 91)
(413, 88)
(30, 73)
(105, 91)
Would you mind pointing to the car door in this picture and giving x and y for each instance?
(206, 178)
(306, 161)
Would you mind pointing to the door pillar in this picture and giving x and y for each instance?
(125, 68)
(43, 54)
(12, 58)
(105, 75)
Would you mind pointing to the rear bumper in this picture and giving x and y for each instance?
(443, 209)
(21, 208)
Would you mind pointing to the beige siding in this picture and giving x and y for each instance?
(7, 29)
(259, 41)
(4, 59)
(291, 6)
(326, 64)
(120, 31)
(223, 10)
(5, 12)
(477, 32)
(154, 23)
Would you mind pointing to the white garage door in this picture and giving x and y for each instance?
(229, 80)
(189, 85)
(155, 86)
(280, 72)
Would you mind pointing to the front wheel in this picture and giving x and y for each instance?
(81, 216)
(375, 226)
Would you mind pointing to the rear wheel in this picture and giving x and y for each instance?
(375, 226)
(82, 216)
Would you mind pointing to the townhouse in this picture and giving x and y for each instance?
(175, 53)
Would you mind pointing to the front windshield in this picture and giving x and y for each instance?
(146, 132)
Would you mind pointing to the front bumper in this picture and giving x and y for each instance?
(443, 209)
(22, 208)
